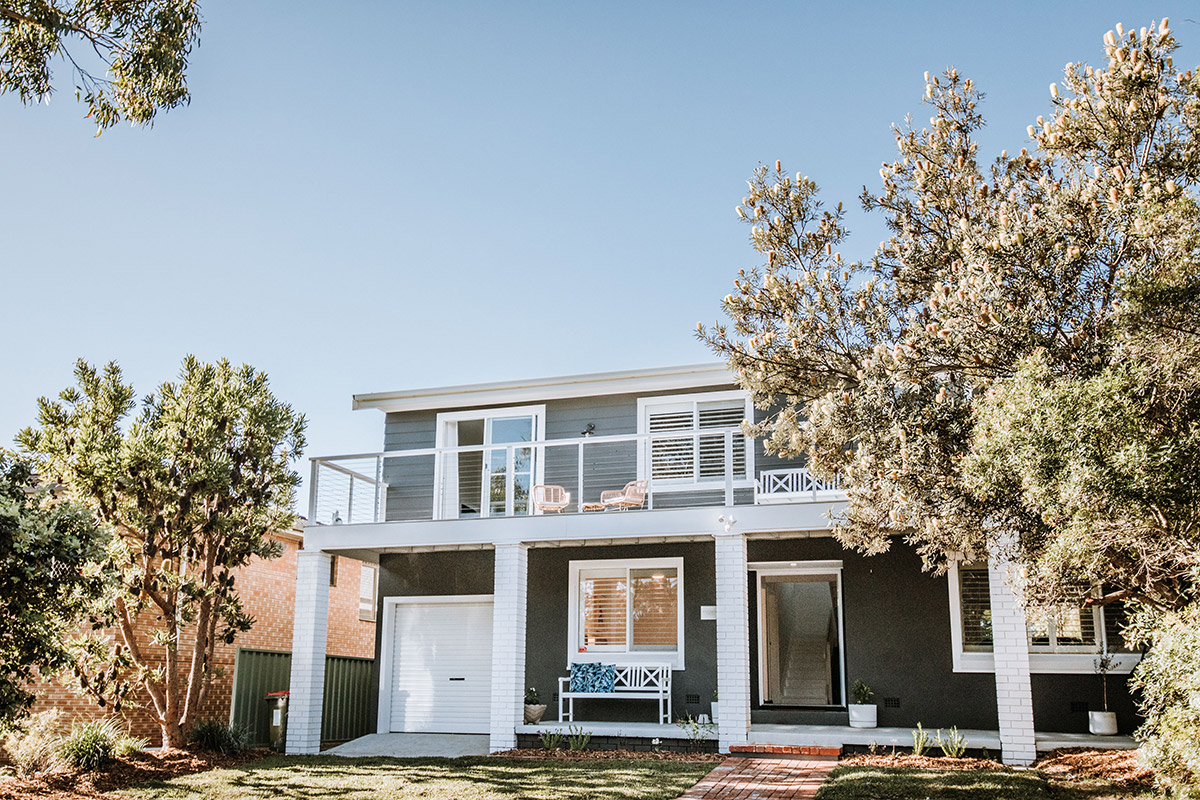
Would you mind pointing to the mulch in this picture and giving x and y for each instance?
(1117, 767)
(532, 754)
(124, 772)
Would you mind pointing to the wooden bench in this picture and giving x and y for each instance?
(632, 682)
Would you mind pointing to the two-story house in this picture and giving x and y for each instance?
(623, 518)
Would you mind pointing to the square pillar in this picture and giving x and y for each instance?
(1010, 648)
(309, 628)
(508, 644)
(733, 641)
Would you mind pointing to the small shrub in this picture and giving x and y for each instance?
(862, 694)
(32, 747)
(531, 697)
(696, 731)
(91, 745)
(551, 740)
(954, 745)
(578, 738)
(920, 740)
(216, 736)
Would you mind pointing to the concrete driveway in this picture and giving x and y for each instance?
(413, 745)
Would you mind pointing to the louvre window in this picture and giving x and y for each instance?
(629, 609)
(691, 458)
(976, 608)
(368, 586)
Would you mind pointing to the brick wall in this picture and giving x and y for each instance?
(268, 593)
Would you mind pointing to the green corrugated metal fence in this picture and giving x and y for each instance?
(347, 701)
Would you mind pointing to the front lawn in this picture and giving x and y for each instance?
(432, 779)
(907, 783)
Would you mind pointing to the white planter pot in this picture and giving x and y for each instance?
(1102, 723)
(863, 716)
(714, 711)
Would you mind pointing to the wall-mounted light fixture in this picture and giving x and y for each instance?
(589, 430)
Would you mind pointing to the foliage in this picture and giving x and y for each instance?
(696, 730)
(920, 740)
(551, 740)
(91, 745)
(141, 45)
(32, 746)
(190, 488)
(531, 697)
(861, 693)
(49, 554)
(578, 738)
(1103, 665)
(1070, 268)
(953, 744)
(1169, 684)
(220, 737)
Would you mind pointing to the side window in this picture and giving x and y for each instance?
(368, 589)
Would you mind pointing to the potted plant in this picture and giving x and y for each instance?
(1103, 723)
(534, 708)
(863, 713)
(714, 707)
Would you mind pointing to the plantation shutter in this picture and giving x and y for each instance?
(672, 458)
(604, 608)
(976, 605)
(728, 414)
(654, 609)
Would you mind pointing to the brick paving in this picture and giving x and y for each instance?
(746, 778)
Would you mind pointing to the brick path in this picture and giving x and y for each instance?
(744, 778)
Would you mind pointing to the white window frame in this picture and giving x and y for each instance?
(647, 404)
(374, 568)
(608, 655)
(446, 469)
(1066, 660)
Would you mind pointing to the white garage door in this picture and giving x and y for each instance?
(442, 668)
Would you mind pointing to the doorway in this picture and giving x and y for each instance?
(487, 472)
(800, 635)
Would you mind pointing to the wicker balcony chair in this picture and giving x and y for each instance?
(632, 496)
(550, 498)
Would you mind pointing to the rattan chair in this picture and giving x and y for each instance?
(550, 498)
(632, 496)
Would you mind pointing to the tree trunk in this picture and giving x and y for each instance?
(172, 735)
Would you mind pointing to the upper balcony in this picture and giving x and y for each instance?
(679, 469)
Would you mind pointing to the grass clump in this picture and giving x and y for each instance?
(217, 737)
(31, 747)
(91, 745)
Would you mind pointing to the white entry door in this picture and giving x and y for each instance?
(441, 678)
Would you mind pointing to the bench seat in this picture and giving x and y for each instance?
(631, 682)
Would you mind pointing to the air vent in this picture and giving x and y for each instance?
(554, 698)
(691, 699)
(1079, 706)
(891, 702)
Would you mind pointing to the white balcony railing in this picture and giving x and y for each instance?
(707, 467)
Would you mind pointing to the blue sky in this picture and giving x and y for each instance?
(424, 193)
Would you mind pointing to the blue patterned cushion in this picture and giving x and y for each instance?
(593, 677)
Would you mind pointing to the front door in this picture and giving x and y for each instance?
(800, 648)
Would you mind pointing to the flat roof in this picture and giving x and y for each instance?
(713, 373)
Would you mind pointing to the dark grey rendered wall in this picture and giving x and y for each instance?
(607, 466)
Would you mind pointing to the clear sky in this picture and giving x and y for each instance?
(372, 196)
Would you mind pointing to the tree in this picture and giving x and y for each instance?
(48, 555)
(141, 46)
(189, 487)
(1041, 266)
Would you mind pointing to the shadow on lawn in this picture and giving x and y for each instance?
(897, 783)
(331, 777)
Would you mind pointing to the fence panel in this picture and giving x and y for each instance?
(347, 699)
(257, 673)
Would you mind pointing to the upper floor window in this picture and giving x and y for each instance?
(679, 454)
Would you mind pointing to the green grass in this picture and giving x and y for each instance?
(904, 783)
(432, 779)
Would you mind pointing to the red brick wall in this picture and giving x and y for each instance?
(268, 593)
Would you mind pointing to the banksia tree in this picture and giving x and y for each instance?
(189, 489)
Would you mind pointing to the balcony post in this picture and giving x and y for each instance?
(314, 470)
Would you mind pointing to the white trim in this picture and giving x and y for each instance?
(445, 469)
(675, 659)
(761, 568)
(593, 384)
(644, 404)
(1040, 662)
(383, 719)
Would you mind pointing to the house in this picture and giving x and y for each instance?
(725, 573)
(257, 661)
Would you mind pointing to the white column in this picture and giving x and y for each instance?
(508, 644)
(308, 652)
(733, 641)
(1010, 646)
